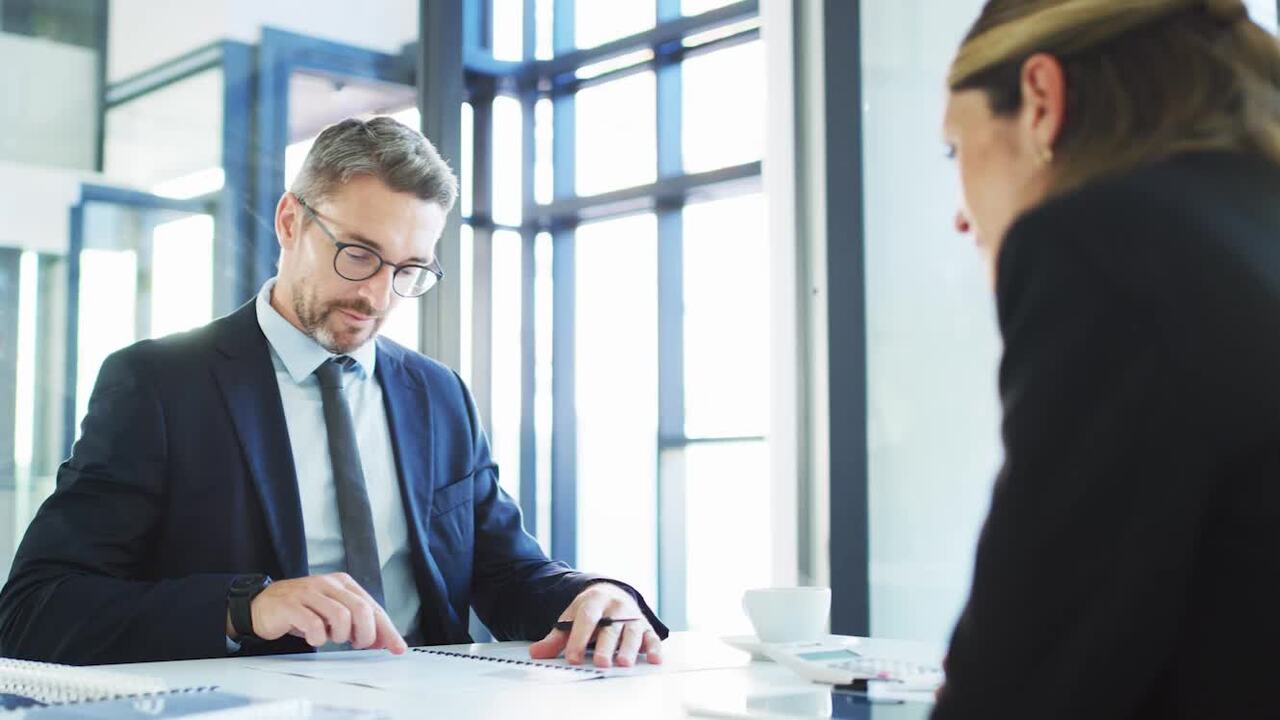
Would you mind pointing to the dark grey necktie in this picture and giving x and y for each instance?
(358, 538)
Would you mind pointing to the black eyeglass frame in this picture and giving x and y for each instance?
(433, 268)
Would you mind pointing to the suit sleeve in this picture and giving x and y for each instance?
(75, 593)
(1084, 563)
(517, 591)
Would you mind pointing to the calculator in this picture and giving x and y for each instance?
(841, 665)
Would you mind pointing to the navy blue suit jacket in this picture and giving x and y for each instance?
(183, 478)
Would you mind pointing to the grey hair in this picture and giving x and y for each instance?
(379, 147)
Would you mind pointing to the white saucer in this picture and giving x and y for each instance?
(751, 644)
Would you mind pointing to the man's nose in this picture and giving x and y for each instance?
(377, 289)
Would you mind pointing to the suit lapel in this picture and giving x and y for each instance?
(247, 380)
(408, 419)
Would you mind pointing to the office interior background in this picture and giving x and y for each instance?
(702, 279)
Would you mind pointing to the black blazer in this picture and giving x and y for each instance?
(1130, 564)
(183, 478)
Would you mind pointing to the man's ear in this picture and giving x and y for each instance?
(1044, 102)
(288, 214)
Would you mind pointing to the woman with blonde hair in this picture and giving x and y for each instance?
(1120, 164)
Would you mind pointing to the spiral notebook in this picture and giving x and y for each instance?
(422, 666)
(201, 704)
(49, 683)
(48, 691)
(522, 668)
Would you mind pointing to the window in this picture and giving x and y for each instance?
(508, 29)
(697, 7)
(726, 318)
(597, 23)
(647, 341)
(617, 382)
(507, 357)
(181, 274)
(507, 198)
(617, 135)
(724, 107)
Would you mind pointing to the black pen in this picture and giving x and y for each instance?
(567, 625)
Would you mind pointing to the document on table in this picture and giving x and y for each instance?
(488, 666)
(409, 672)
(680, 654)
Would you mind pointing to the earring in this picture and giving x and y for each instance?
(1046, 156)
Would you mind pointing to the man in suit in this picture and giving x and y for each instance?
(282, 478)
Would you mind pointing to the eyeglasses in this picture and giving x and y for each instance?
(358, 262)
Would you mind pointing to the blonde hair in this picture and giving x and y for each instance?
(1145, 78)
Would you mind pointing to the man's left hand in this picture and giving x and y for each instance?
(619, 642)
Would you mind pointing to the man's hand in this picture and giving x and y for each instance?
(323, 609)
(626, 639)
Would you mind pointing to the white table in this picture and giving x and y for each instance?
(664, 695)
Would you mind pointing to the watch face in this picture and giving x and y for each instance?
(245, 583)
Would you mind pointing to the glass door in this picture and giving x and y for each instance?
(140, 266)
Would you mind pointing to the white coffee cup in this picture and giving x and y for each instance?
(793, 614)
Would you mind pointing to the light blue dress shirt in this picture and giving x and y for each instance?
(295, 357)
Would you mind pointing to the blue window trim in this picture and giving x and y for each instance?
(234, 217)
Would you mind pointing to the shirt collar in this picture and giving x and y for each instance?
(300, 354)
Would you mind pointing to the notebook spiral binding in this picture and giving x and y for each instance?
(50, 683)
(511, 661)
(138, 696)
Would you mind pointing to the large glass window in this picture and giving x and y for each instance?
(508, 359)
(726, 370)
(508, 29)
(724, 107)
(599, 22)
(617, 134)
(697, 7)
(507, 189)
(727, 552)
(649, 322)
(726, 318)
(617, 386)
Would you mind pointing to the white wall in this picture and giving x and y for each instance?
(35, 203)
(145, 33)
(932, 341)
(49, 113)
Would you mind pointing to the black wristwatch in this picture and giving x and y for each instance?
(243, 590)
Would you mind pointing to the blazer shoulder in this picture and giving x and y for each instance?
(1161, 206)
(431, 372)
(175, 350)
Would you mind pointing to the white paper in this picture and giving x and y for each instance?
(413, 670)
(680, 654)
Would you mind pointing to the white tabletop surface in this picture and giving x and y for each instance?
(736, 682)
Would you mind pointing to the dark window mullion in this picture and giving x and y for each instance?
(482, 256)
(843, 226)
(528, 296)
(564, 430)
